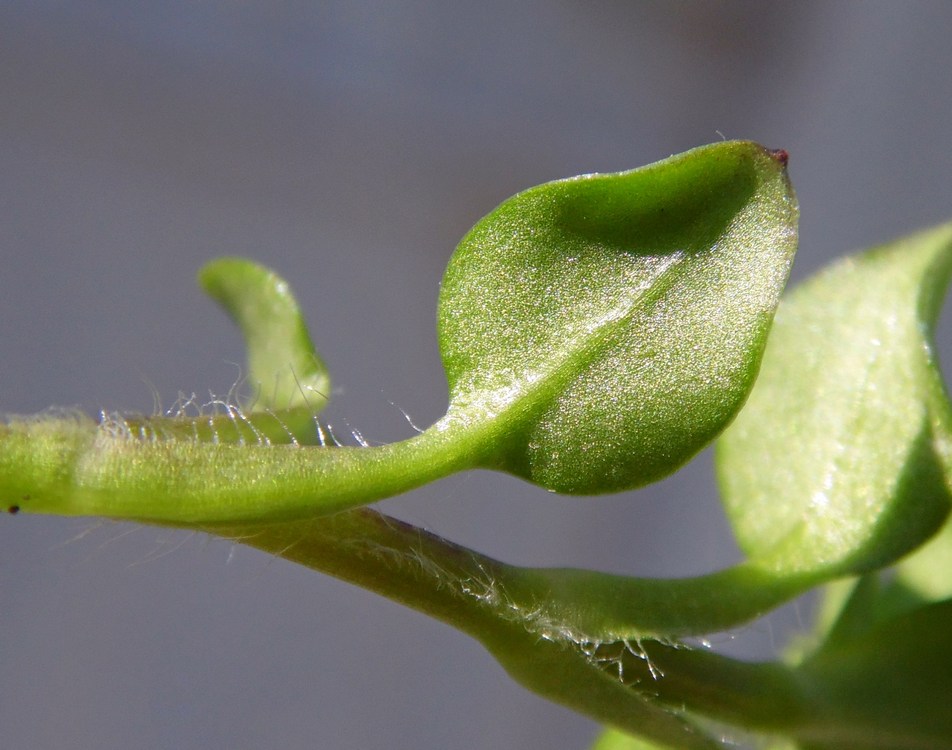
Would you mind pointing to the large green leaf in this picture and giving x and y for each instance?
(837, 462)
(608, 326)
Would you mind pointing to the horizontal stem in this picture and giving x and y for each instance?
(640, 685)
(73, 466)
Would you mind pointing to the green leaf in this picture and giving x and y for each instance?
(283, 366)
(837, 463)
(608, 326)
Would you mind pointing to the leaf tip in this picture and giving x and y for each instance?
(780, 155)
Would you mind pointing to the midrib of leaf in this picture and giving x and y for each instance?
(523, 397)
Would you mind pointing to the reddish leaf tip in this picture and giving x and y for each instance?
(780, 155)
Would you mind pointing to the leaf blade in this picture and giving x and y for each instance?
(612, 324)
(837, 461)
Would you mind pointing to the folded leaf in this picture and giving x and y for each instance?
(609, 326)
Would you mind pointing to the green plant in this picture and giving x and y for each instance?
(596, 333)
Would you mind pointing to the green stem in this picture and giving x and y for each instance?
(640, 685)
(619, 606)
(644, 686)
(72, 466)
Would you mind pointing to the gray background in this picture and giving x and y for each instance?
(350, 145)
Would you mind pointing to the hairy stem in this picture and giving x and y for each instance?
(73, 466)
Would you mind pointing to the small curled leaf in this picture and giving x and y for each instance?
(608, 326)
(283, 366)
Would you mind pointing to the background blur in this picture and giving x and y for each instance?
(350, 144)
